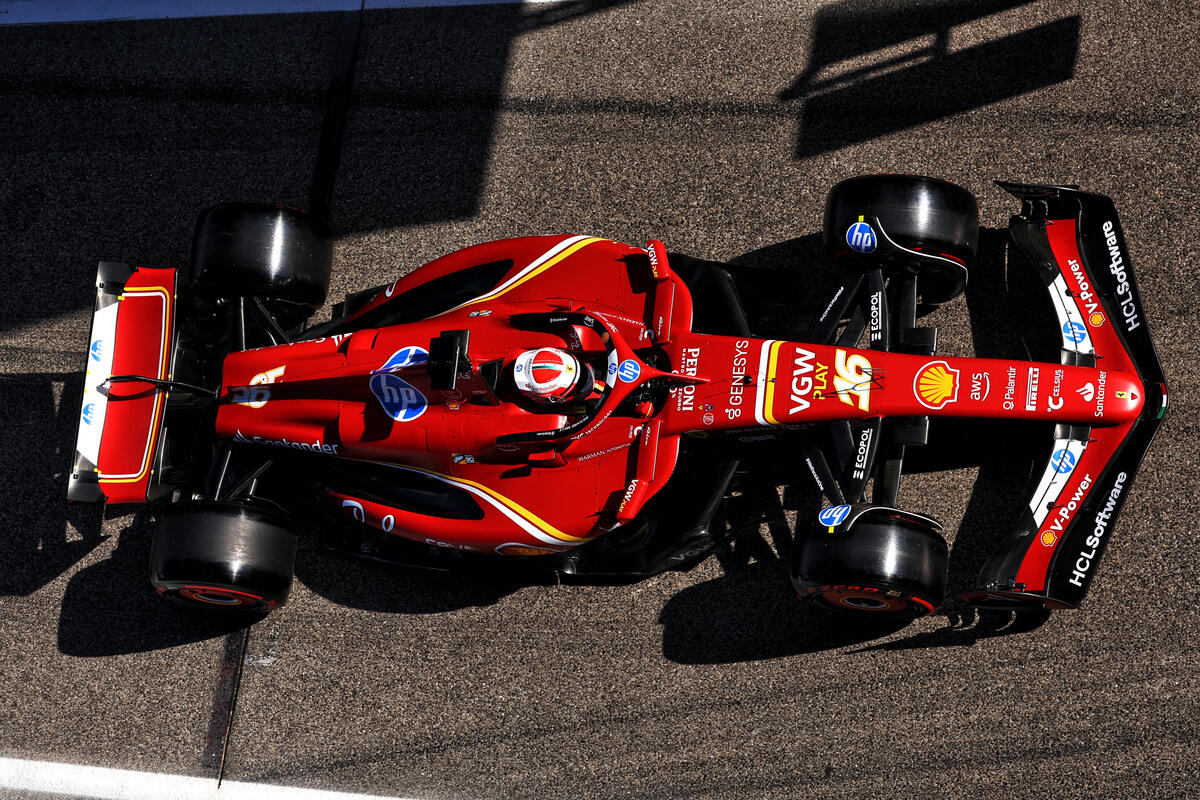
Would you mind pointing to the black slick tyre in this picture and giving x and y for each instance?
(277, 254)
(223, 556)
(883, 565)
(933, 223)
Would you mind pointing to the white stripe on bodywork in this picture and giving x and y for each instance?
(1068, 312)
(162, 375)
(1053, 481)
(542, 259)
(520, 521)
(764, 357)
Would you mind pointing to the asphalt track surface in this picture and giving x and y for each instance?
(717, 128)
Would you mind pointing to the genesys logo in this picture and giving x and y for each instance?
(97, 350)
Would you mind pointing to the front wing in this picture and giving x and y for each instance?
(1075, 241)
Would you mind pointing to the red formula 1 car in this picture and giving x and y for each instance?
(586, 404)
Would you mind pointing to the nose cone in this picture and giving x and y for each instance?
(1121, 399)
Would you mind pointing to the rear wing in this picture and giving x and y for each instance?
(117, 443)
(1076, 243)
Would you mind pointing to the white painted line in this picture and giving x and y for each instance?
(102, 783)
(34, 12)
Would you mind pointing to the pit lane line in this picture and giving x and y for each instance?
(102, 783)
(33, 12)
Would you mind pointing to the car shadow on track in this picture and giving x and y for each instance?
(41, 537)
(110, 609)
(393, 589)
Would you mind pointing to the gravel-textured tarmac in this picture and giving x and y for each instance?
(717, 128)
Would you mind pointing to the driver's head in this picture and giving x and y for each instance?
(550, 375)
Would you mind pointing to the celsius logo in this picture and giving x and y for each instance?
(399, 399)
(1087, 391)
(97, 349)
(1074, 331)
(860, 237)
(89, 413)
(1063, 461)
(629, 370)
(404, 357)
(833, 516)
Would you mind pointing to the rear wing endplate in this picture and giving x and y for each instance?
(117, 442)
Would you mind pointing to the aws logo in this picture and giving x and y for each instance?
(936, 385)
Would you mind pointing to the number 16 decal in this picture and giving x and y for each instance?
(853, 379)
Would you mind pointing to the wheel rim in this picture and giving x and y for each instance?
(869, 600)
(219, 596)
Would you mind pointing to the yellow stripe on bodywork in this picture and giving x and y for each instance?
(511, 505)
(570, 251)
(159, 395)
(767, 396)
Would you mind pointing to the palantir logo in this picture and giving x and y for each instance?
(399, 399)
(833, 516)
(404, 357)
(861, 237)
(97, 349)
(1063, 461)
(1074, 331)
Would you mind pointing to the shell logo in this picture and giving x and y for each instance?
(1097, 319)
(1049, 538)
(936, 385)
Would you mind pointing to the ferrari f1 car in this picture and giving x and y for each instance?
(586, 404)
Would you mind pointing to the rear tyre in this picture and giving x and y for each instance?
(882, 565)
(279, 255)
(223, 555)
(937, 219)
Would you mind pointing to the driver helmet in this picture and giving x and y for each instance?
(550, 375)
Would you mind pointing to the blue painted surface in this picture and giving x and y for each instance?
(36, 12)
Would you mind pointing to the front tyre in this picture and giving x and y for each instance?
(934, 225)
(880, 563)
(223, 556)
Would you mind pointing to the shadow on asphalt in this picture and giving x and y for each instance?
(915, 76)
(110, 608)
(41, 536)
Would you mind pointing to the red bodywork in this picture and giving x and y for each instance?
(367, 395)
